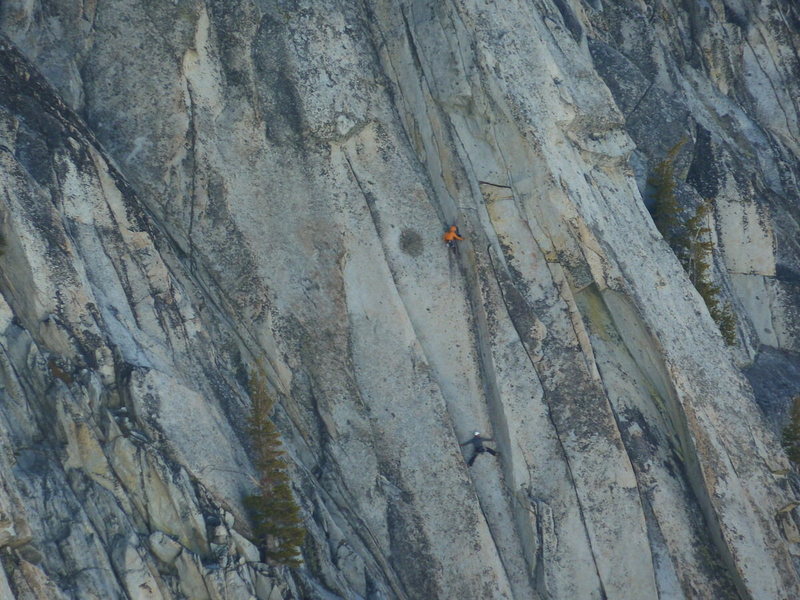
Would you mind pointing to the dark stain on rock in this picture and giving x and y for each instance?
(704, 173)
(410, 552)
(786, 274)
(732, 15)
(411, 242)
(625, 81)
(279, 99)
(571, 22)
(33, 154)
(775, 378)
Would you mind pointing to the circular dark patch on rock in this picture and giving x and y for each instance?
(411, 242)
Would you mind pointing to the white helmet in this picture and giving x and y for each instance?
(476, 432)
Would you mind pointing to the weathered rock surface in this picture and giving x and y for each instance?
(192, 189)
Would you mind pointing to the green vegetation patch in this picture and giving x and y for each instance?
(790, 440)
(690, 240)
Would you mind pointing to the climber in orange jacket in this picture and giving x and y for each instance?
(451, 236)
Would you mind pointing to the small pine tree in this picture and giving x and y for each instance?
(791, 433)
(666, 209)
(727, 324)
(697, 245)
(276, 518)
(698, 252)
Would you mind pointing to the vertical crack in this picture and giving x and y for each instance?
(192, 139)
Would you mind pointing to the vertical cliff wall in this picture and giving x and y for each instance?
(195, 188)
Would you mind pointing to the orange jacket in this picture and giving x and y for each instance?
(452, 235)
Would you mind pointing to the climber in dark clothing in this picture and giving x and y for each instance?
(477, 446)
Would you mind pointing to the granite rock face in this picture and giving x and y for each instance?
(192, 190)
